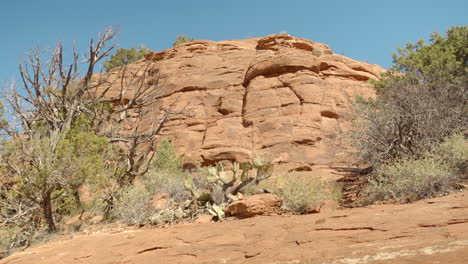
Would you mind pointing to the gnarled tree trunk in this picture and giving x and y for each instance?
(46, 205)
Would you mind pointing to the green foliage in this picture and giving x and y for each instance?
(301, 193)
(55, 144)
(445, 58)
(434, 173)
(408, 180)
(166, 157)
(157, 181)
(3, 121)
(132, 206)
(317, 52)
(47, 177)
(125, 56)
(454, 152)
(224, 186)
(182, 39)
(412, 133)
(419, 108)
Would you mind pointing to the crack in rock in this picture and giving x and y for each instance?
(350, 229)
(151, 249)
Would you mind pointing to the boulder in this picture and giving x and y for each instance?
(160, 201)
(202, 219)
(96, 220)
(327, 206)
(259, 204)
(75, 222)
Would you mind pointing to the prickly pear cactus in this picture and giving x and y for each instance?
(225, 188)
(216, 211)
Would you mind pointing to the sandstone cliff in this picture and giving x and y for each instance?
(281, 97)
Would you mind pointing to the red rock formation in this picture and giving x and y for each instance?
(280, 97)
(259, 204)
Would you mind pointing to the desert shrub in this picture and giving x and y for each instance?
(317, 52)
(48, 176)
(182, 39)
(4, 241)
(301, 193)
(62, 132)
(407, 119)
(454, 152)
(132, 207)
(167, 182)
(445, 58)
(166, 157)
(435, 173)
(407, 180)
(125, 56)
(419, 108)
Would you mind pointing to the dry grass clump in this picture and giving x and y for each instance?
(433, 174)
(301, 193)
(409, 180)
(133, 206)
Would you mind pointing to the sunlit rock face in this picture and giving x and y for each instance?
(284, 98)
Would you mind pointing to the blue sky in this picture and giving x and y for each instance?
(361, 29)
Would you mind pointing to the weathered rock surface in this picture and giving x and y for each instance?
(281, 97)
(259, 204)
(160, 201)
(75, 222)
(430, 231)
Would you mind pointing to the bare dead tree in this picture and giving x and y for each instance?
(53, 96)
(408, 118)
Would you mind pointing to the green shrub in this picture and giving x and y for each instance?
(133, 207)
(454, 152)
(5, 241)
(167, 182)
(420, 101)
(301, 193)
(133, 203)
(48, 176)
(407, 180)
(182, 39)
(125, 56)
(166, 157)
(435, 173)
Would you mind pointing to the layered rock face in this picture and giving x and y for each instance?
(284, 98)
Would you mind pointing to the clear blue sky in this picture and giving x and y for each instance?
(361, 29)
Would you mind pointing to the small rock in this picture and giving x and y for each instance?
(202, 219)
(85, 216)
(156, 220)
(179, 213)
(74, 221)
(160, 201)
(259, 204)
(166, 215)
(326, 207)
(77, 221)
(96, 220)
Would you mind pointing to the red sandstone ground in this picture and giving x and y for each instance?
(429, 231)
